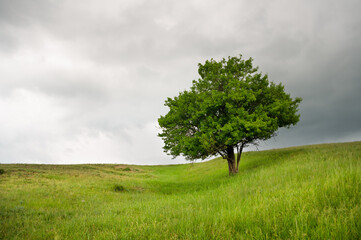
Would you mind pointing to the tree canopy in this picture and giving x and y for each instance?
(229, 107)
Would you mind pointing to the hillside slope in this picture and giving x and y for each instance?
(297, 193)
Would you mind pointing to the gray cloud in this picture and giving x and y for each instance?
(86, 81)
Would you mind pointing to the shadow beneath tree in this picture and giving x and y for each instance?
(213, 177)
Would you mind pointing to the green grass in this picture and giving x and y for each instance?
(308, 192)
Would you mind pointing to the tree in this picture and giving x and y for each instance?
(229, 107)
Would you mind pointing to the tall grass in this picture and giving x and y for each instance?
(294, 193)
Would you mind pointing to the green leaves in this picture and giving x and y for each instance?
(230, 104)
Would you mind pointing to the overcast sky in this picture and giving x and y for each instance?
(85, 81)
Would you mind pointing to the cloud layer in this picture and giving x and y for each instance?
(84, 81)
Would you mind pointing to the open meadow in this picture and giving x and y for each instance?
(306, 192)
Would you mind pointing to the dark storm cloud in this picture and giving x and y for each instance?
(91, 78)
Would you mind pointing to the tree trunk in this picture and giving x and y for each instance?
(239, 156)
(231, 161)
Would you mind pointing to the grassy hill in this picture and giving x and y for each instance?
(293, 193)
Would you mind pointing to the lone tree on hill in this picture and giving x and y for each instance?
(231, 106)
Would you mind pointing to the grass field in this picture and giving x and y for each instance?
(308, 192)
